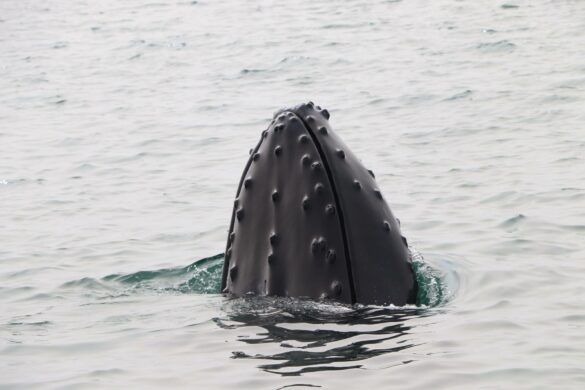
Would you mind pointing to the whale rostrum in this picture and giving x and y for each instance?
(310, 221)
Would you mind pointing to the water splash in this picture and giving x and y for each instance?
(432, 287)
(204, 277)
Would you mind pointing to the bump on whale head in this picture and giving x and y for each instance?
(310, 221)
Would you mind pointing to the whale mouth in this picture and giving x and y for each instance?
(310, 221)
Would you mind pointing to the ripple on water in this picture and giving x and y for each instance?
(309, 336)
(201, 277)
(204, 277)
(287, 336)
(503, 46)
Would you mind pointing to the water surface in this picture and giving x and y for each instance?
(124, 127)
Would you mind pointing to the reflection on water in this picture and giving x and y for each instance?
(305, 336)
(291, 337)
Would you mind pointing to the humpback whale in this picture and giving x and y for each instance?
(309, 221)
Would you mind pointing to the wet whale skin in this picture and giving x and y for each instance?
(310, 221)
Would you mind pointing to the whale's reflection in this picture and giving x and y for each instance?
(307, 336)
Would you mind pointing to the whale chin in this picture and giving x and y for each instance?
(310, 221)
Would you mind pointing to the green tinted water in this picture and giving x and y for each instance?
(204, 277)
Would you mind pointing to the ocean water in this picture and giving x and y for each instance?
(124, 128)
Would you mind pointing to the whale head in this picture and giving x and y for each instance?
(309, 220)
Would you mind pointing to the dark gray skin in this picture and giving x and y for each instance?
(310, 221)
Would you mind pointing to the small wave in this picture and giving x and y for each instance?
(433, 289)
(499, 46)
(514, 221)
(252, 70)
(460, 95)
(86, 283)
(343, 26)
(203, 277)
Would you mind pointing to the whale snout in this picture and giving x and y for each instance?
(310, 221)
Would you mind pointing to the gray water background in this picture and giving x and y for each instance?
(124, 127)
